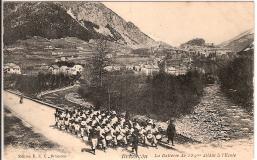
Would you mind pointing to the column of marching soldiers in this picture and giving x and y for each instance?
(107, 129)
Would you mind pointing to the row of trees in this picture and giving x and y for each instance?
(32, 85)
(161, 96)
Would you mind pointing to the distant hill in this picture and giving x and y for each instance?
(195, 42)
(84, 20)
(240, 42)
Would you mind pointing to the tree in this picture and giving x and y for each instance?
(99, 61)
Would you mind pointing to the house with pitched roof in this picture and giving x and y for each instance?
(12, 68)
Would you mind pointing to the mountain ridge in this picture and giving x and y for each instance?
(85, 20)
(240, 41)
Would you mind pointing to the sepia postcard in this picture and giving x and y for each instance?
(127, 80)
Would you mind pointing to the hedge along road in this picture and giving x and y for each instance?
(41, 118)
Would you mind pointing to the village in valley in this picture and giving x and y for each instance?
(81, 81)
(177, 60)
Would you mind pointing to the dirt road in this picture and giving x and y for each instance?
(41, 119)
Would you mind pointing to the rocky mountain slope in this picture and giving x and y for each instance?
(239, 42)
(216, 118)
(84, 20)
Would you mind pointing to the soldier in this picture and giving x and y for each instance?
(77, 128)
(94, 139)
(88, 128)
(135, 140)
(171, 131)
(56, 115)
(114, 135)
(61, 123)
(102, 136)
(21, 99)
(123, 133)
(66, 123)
(83, 127)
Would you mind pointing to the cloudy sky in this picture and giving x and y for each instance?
(178, 22)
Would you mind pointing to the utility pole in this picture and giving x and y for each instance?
(109, 94)
(109, 99)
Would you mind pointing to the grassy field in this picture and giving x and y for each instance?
(58, 98)
(38, 50)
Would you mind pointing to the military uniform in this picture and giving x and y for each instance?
(171, 131)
